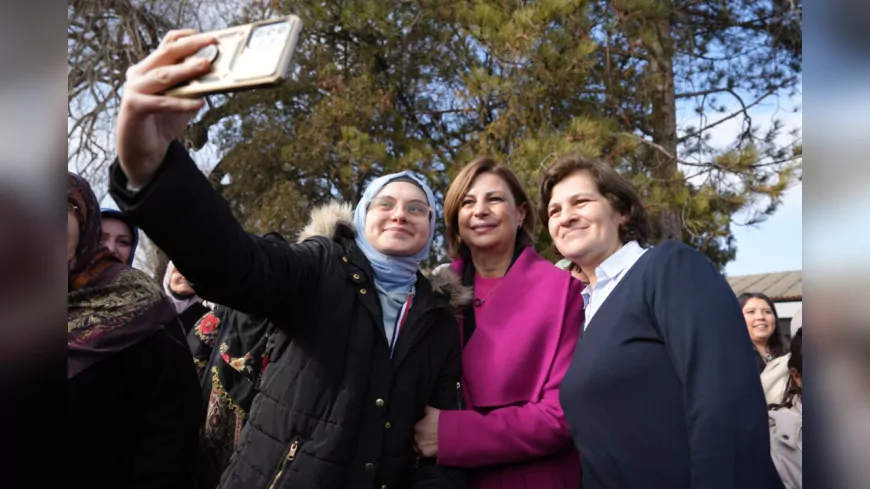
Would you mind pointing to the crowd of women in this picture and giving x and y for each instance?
(336, 362)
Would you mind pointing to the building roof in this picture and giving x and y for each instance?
(780, 286)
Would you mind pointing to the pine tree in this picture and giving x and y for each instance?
(602, 79)
(382, 86)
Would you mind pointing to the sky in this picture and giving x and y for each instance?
(774, 245)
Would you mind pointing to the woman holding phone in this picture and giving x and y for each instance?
(364, 341)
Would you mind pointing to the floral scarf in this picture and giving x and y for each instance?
(110, 306)
(231, 351)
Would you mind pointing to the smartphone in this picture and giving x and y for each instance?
(246, 57)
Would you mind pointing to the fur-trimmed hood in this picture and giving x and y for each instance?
(335, 220)
(332, 220)
(447, 283)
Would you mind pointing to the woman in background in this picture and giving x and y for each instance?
(230, 350)
(133, 399)
(573, 269)
(775, 377)
(786, 422)
(759, 312)
(189, 306)
(119, 235)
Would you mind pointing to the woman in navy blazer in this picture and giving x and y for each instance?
(663, 391)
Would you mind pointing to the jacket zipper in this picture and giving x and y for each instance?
(291, 454)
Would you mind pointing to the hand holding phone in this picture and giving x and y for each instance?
(250, 56)
(162, 93)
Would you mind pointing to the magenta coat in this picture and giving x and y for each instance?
(513, 433)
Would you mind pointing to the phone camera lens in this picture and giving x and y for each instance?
(209, 52)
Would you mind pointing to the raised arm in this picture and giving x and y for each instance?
(188, 220)
(156, 182)
(726, 417)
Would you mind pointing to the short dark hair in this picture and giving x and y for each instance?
(795, 361)
(614, 187)
(453, 202)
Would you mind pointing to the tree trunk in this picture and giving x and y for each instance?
(664, 115)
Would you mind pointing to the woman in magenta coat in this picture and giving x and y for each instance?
(518, 340)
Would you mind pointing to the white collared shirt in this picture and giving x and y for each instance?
(609, 273)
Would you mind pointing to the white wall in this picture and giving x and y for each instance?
(786, 310)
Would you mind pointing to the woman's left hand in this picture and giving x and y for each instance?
(426, 433)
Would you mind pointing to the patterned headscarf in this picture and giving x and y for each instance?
(110, 306)
(90, 257)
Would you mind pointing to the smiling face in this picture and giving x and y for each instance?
(397, 220)
(582, 222)
(760, 320)
(488, 214)
(117, 238)
(178, 284)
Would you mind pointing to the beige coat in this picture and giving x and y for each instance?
(786, 444)
(774, 379)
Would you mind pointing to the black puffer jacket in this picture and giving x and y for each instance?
(334, 411)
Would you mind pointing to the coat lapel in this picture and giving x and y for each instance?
(418, 323)
(419, 317)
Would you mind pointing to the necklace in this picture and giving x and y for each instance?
(479, 302)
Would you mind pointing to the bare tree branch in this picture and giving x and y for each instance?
(105, 38)
(743, 110)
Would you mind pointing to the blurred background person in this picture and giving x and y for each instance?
(572, 267)
(119, 235)
(775, 377)
(133, 399)
(762, 322)
(29, 308)
(189, 306)
(786, 421)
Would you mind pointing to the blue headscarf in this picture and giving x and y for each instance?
(392, 273)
